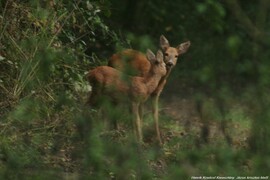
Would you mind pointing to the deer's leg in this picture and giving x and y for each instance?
(155, 100)
(94, 95)
(155, 107)
(137, 120)
(115, 114)
(92, 99)
(141, 111)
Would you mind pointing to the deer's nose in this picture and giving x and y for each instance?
(169, 64)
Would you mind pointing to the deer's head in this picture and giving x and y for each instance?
(171, 54)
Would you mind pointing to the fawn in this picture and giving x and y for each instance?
(137, 62)
(108, 81)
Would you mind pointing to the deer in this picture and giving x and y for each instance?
(108, 81)
(130, 60)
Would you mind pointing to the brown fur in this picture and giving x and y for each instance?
(140, 67)
(137, 62)
(106, 80)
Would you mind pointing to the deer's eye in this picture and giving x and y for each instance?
(176, 56)
(166, 54)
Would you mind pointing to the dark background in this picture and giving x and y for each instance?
(214, 108)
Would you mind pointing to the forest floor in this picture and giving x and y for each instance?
(181, 129)
(183, 113)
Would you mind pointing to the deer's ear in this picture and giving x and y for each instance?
(183, 47)
(150, 55)
(164, 43)
(159, 56)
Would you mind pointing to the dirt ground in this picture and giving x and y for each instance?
(186, 120)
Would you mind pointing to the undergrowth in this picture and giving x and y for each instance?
(47, 131)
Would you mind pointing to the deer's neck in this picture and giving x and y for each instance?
(162, 79)
(152, 81)
(167, 73)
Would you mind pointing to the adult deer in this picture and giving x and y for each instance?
(109, 82)
(133, 62)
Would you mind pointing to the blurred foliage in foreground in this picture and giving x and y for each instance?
(46, 47)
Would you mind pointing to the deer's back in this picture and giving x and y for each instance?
(108, 78)
(130, 62)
